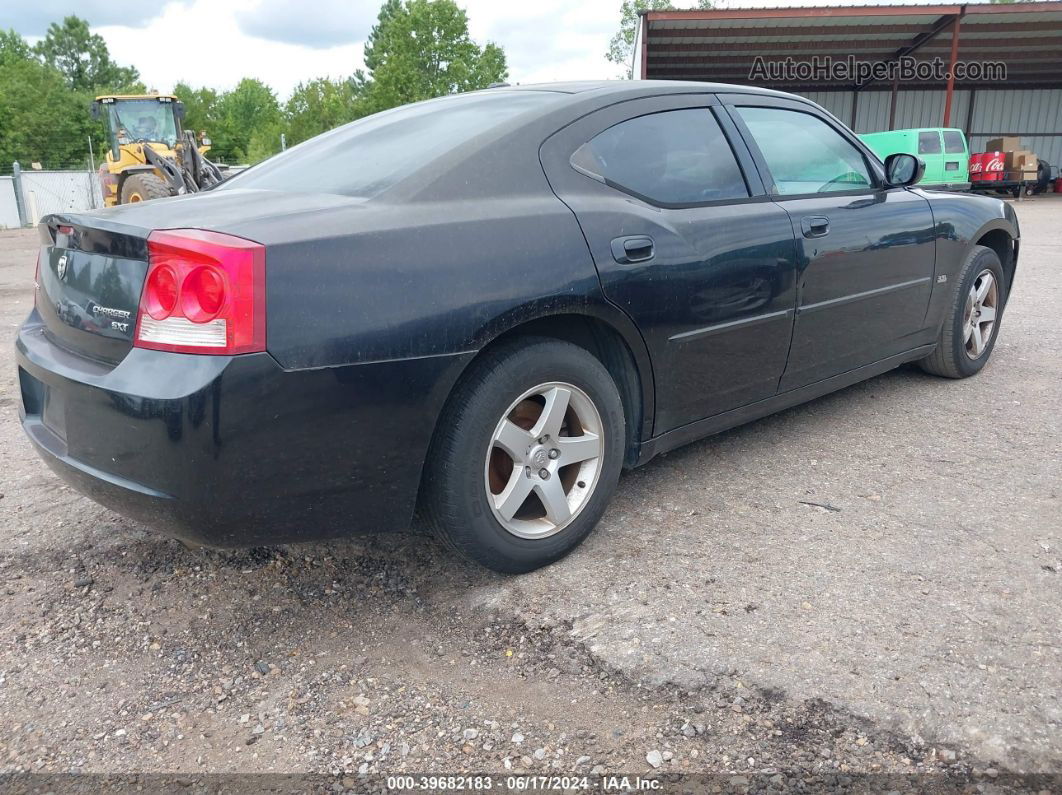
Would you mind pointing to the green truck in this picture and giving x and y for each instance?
(944, 150)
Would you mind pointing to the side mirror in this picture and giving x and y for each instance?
(178, 110)
(94, 110)
(902, 170)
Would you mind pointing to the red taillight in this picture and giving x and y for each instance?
(204, 293)
(160, 292)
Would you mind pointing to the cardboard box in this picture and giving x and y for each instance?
(1005, 144)
(1014, 158)
(1021, 160)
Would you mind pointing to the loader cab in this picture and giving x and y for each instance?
(133, 120)
(149, 155)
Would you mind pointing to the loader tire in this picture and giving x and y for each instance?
(142, 188)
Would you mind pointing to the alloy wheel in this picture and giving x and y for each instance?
(544, 460)
(979, 319)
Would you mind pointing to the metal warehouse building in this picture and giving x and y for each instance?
(727, 44)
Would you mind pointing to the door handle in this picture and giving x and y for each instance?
(632, 249)
(815, 225)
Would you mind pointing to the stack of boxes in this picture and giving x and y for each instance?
(1019, 164)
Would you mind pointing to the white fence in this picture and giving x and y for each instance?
(47, 192)
(44, 192)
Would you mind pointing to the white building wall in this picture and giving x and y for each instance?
(8, 207)
(1026, 111)
(839, 103)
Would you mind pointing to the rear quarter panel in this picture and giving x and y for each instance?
(379, 282)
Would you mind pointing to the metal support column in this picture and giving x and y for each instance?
(892, 102)
(970, 113)
(951, 71)
(645, 46)
(20, 202)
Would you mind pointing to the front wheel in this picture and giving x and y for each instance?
(526, 456)
(143, 187)
(968, 334)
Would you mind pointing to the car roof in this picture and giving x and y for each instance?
(622, 87)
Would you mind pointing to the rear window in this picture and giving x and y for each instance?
(953, 142)
(928, 143)
(368, 156)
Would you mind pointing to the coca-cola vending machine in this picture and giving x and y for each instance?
(992, 167)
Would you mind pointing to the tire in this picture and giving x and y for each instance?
(962, 350)
(142, 188)
(469, 473)
(1043, 177)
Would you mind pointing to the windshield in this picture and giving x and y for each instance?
(368, 156)
(143, 120)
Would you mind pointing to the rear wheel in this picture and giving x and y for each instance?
(142, 188)
(526, 456)
(969, 332)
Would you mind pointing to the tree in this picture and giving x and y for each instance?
(621, 46)
(490, 67)
(200, 107)
(320, 105)
(41, 119)
(388, 11)
(13, 47)
(84, 60)
(248, 109)
(421, 49)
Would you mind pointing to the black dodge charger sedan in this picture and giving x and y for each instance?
(484, 307)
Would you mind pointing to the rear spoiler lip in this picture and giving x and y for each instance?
(96, 234)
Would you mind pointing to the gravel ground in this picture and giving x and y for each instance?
(870, 583)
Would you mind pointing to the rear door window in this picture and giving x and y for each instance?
(953, 142)
(673, 158)
(804, 153)
(929, 143)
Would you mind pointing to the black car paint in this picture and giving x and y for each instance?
(718, 269)
(375, 308)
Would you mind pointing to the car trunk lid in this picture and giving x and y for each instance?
(90, 276)
(93, 265)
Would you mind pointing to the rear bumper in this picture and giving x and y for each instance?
(235, 451)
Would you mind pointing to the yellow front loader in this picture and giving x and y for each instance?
(149, 155)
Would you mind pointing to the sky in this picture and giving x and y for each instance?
(215, 43)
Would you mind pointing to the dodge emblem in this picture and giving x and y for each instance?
(60, 267)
